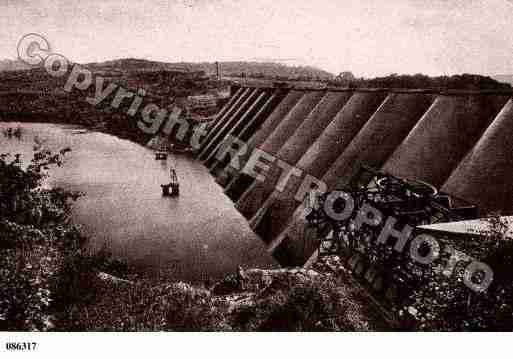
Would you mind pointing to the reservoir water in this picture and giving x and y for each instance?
(195, 236)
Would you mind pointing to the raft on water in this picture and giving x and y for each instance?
(160, 155)
(172, 188)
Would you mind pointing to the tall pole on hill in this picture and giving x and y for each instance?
(218, 70)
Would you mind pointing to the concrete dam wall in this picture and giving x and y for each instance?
(460, 142)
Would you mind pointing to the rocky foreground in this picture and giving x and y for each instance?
(252, 300)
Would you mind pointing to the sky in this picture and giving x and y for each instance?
(367, 37)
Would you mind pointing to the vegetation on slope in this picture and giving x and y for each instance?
(444, 303)
(36, 238)
(420, 81)
(264, 300)
(34, 95)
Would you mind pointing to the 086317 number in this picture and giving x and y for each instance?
(20, 346)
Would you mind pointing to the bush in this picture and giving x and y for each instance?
(445, 303)
(35, 237)
(143, 307)
(312, 304)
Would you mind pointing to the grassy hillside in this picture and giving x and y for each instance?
(34, 95)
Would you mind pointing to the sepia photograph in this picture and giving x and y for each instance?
(255, 166)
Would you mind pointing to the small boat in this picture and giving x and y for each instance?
(162, 152)
(174, 148)
(172, 188)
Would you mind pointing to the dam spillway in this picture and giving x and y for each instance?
(459, 141)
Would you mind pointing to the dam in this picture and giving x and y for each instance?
(458, 141)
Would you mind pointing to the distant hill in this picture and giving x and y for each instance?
(504, 78)
(270, 70)
(32, 93)
(420, 81)
(134, 65)
(228, 69)
(274, 70)
(13, 65)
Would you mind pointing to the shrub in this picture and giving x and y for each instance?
(35, 236)
(306, 304)
(445, 303)
(143, 307)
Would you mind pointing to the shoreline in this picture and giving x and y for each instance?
(106, 294)
(139, 268)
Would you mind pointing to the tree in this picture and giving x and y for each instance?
(35, 237)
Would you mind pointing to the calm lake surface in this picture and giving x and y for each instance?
(195, 236)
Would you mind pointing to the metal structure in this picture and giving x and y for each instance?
(386, 271)
(410, 202)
